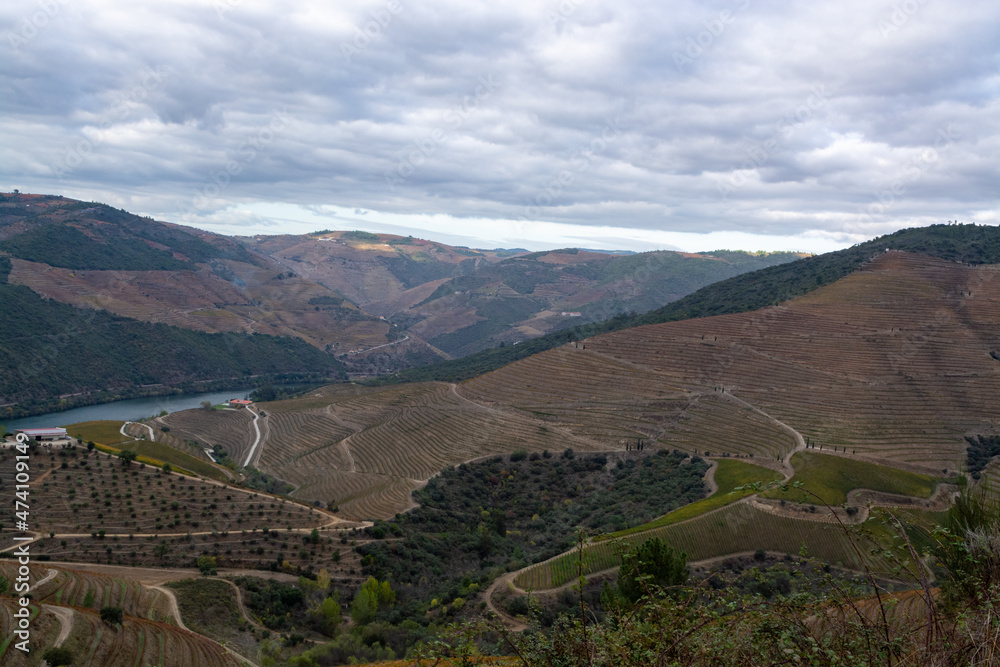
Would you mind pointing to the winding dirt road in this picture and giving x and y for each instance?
(65, 616)
(253, 447)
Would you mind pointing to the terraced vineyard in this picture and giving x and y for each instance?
(364, 452)
(713, 425)
(892, 361)
(734, 529)
(71, 588)
(44, 628)
(230, 428)
(830, 479)
(140, 642)
(96, 510)
(889, 365)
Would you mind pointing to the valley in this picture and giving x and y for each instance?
(808, 434)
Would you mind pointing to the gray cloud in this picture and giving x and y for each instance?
(740, 115)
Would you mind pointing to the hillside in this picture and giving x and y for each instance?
(461, 300)
(864, 388)
(973, 244)
(891, 364)
(94, 256)
(97, 279)
(892, 361)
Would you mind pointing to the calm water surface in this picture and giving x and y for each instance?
(133, 408)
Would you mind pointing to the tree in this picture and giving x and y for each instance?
(90, 445)
(58, 657)
(373, 594)
(651, 563)
(364, 606)
(88, 599)
(206, 405)
(112, 615)
(332, 612)
(127, 456)
(207, 565)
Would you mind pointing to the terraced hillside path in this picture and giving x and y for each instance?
(513, 623)
(343, 444)
(65, 616)
(152, 435)
(176, 611)
(800, 442)
(48, 577)
(253, 447)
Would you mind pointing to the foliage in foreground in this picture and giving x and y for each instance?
(715, 625)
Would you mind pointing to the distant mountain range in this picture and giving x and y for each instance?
(461, 300)
(112, 304)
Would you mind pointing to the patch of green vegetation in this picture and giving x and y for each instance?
(973, 244)
(178, 459)
(500, 313)
(831, 478)
(106, 238)
(505, 511)
(260, 481)
(52, 349)
(980, 452)
(326, 300)
(358, 235)
(104, 431)
(728, 476)
(66, 246)
(411, 272)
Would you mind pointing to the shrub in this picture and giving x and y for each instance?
(112, 615)
(58, 657)
(207, 566)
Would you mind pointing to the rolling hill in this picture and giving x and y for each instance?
(889, 364)
(461, 300)
(972, 244)
(180, 307)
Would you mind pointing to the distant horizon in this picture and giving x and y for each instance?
(263, 221)
(803, 127)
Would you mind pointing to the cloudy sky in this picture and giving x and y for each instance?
(533, 123)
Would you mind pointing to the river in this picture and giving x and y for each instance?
(130, 409)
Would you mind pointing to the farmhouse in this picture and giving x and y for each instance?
(239, 402)
(43, 433)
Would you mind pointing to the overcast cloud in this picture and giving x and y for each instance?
(632, 124)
